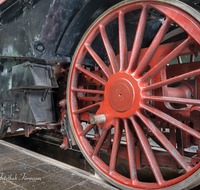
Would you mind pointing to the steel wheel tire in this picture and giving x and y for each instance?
(132, 109)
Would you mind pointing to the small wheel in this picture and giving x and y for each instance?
(123, 94)
(3, 128)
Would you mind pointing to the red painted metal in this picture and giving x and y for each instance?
(2, 1)
(29, 129)
(15, 126)
(141, 96)
(65, 144)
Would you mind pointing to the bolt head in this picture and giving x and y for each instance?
(195, 113)
(157, 123)
(62, 130)
(40, 48)
(178, 115)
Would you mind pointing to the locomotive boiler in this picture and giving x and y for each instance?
(120, 77)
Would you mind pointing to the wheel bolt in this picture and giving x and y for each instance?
(195, 112)
(157, 123)
(98, 119)
(178, 116)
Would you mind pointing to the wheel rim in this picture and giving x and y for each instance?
(125, 92)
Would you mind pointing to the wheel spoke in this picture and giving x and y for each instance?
(115, 146)
(87, 129)
(148, 152)
(166, 60)
(92, 98)
(173, 100)
(100, 142)
(94, 76)
(123, 52)
(152, 49)
(173, 80)
(109, 136)
(138, 39)
(111, 55)
(87, 108)
(88, 91)
(165, 142)
(99, 61)
(171, 120)
(131, 151)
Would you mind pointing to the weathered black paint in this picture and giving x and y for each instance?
(25, 92)
(56, 25)
(49, 31)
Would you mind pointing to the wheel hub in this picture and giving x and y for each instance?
(121, 95)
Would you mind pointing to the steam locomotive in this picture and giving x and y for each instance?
(118, 77)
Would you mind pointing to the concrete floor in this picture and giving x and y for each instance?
(21, 169)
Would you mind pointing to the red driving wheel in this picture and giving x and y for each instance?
(121, 105)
